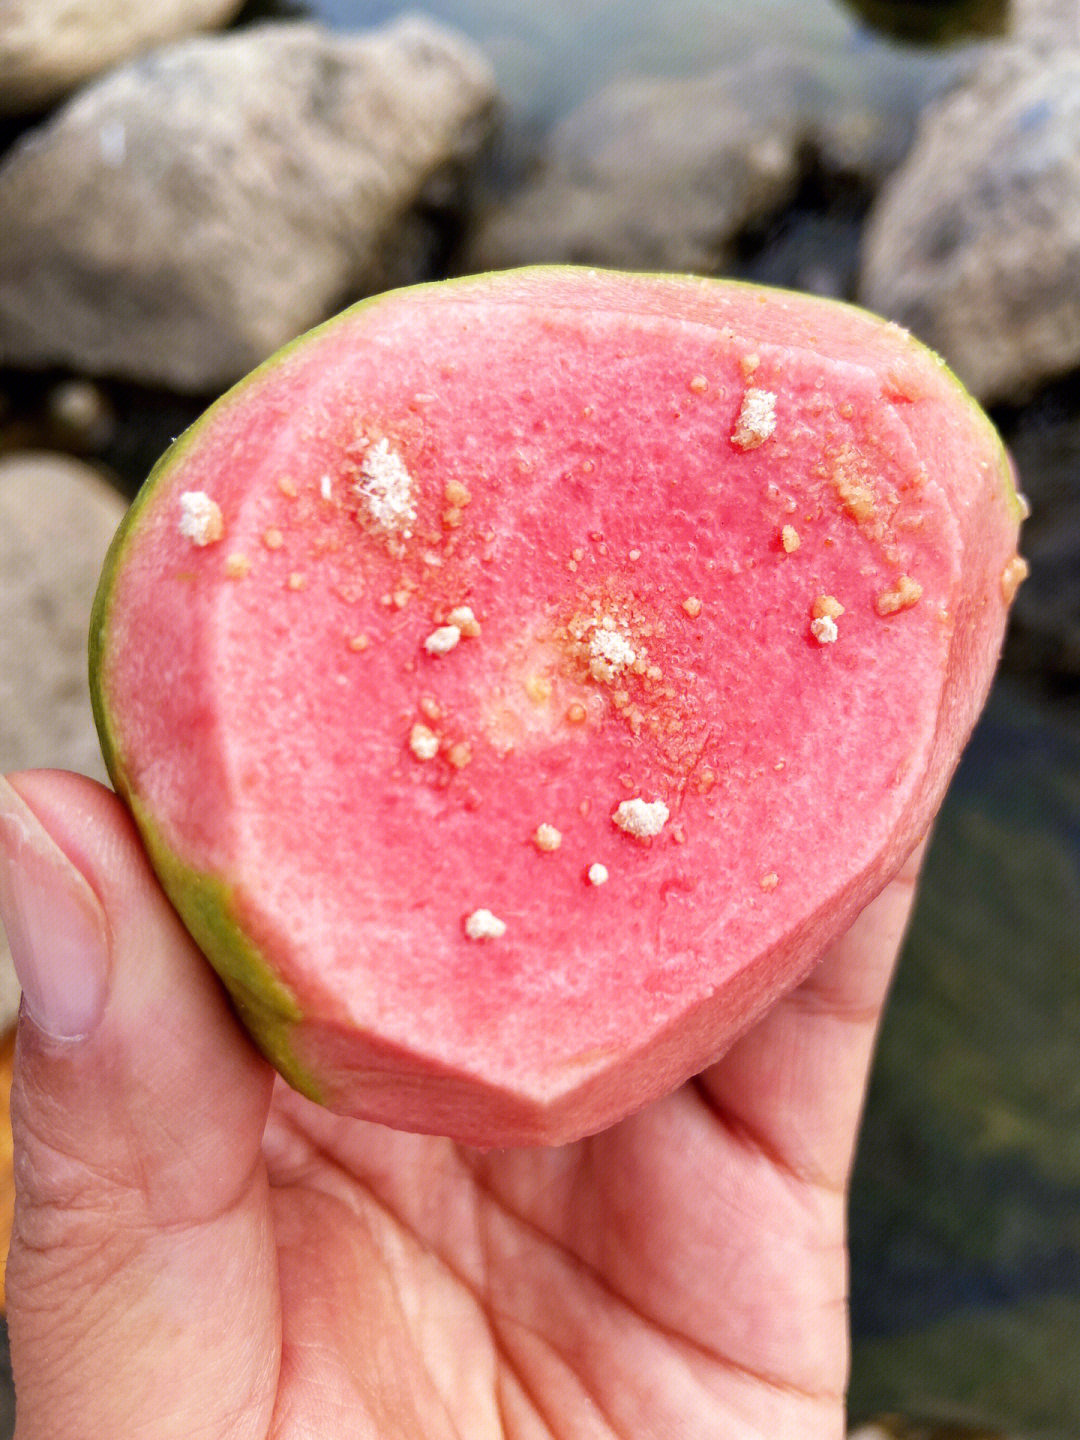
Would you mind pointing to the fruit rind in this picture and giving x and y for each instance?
(266, 1005)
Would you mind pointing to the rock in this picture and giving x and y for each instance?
(975, 242)
(669, 173)
(181, 219)
(655, 173)
(1045, 22)
(57, 517)
(1044, 442)
(48, 47)
(933, 22)
(80, 415)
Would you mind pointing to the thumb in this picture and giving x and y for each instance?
(142, 1285)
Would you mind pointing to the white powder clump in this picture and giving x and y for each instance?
(547, 837)
(641, 818)
(463, 617)
(756, 420)
(423, 742)
(200, 518)
(483, 925)
(824, 630)
(610, 651)
(442, 640)
(598, 874)
(386, 487)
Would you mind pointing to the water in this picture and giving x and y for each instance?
(966, 1203)
(548, 58)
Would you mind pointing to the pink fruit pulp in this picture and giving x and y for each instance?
(259, 695)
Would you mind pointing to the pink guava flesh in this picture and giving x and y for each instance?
(520, 681)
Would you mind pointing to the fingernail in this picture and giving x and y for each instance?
(55, 926)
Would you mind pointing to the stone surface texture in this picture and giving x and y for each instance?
(57, 517)
(180, 219)
(663, 173)
(654, 173)
(1045, 22)
(975, 242)
(48, 47)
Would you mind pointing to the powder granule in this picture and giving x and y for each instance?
(826, 605)
(423, 742)
(442, 640)
(610, 650)
(824, 630)
(901, 596)
(463, 617)
(483, 925)
(386, 487)
(201, 521)
(643, 819)
(1012, 577)
(756, 419)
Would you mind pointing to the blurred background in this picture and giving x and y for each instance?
(184, 187)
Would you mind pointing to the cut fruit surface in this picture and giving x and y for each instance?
(519, 681)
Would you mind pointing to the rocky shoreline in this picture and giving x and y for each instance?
(186, 204)
(180, 198)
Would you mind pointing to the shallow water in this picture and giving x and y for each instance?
(548, 58)
(966, 1204)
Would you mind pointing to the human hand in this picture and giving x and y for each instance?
(200, 1252)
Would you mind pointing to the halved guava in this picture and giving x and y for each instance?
(519, 681)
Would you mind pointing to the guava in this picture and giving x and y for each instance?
(519, 681)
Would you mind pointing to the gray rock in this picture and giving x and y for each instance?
(1045, 22)
(57, 517)
(48, 47)
(656, 173)
(975, 242)
(666, 173)
(179, 220)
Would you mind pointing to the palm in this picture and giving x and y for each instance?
(665, 1278)
(198, 1253)
(682, 1273)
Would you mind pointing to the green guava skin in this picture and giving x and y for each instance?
(265, 1005)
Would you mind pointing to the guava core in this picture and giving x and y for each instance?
(519, 681)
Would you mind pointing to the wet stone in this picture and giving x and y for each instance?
(126, 219)
(48, 47)
(974, 244)
(57, 517)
